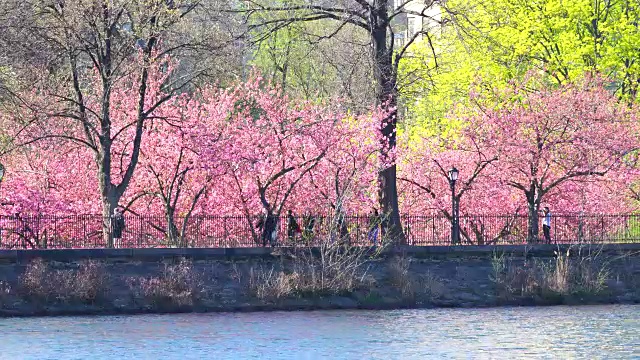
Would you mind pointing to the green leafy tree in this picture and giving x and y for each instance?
(308, 61)
(502, 40)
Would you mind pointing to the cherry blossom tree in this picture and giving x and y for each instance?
(426, 189)
(42, 181)
(108, 144)
(267, 144)
(109, 65)
(551, 138)
(553, 146)
(250, 150)
(374, 19)
(172, 178)
(344, 181)
(244, 149)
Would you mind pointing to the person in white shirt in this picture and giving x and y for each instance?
(546, 224)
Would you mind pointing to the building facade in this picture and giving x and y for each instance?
(410, 21)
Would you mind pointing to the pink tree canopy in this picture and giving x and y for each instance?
(525, 148)
(273, 151)
(554, 144)
(249, 150)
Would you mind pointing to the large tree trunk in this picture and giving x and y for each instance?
(533, 219)
(109, 204)
(108, 194)
(386, 95)
(173, 236)
(388, 193)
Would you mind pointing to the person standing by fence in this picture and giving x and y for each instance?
(374, 227)
(546, 224)
(268, 225)
(117, 226)
(293, 228)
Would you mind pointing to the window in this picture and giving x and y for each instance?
(411, 26)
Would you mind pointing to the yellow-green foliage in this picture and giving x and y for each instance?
(497, 41)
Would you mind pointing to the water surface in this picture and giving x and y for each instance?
(589, 332)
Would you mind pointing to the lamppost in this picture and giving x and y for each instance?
(2, 171)
(455, 216)
(1, 177)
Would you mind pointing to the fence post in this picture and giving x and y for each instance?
(55, 229)
(433, 229)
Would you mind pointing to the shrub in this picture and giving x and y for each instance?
(87, 284)
(34, 283)
(90, 282)
(330, 269)
(556, 278)
(411, 287)
(591, 275)
(564, 276)
(335, 269)
(178, 285)
(431, 286)
(61, 285)
(269, 284)
(401, 278)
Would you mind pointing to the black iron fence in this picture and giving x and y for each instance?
(85, 231)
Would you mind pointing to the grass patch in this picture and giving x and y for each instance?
(271, 284)
(414, 287)
(177, 286)
(5, 292)
(330, 269)
(566, 275)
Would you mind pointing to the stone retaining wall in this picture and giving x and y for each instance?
(111, 281)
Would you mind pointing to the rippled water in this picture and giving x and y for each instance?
(589, 332)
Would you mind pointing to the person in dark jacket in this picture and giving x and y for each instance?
(268, 225)
(117, 223)
(293, 228)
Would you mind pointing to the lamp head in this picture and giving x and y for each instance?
(453, 174)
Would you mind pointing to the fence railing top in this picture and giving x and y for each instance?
(161, 216)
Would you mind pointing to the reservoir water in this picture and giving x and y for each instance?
(562, 332)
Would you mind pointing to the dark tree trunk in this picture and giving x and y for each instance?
(386, 95)
(109, 204)
(107, 191)
(533, 207)
(172, 229)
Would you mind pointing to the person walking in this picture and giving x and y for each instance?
(546, 224)
(268, 228)
(374, 227)
(117, 225)
(293, 228)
